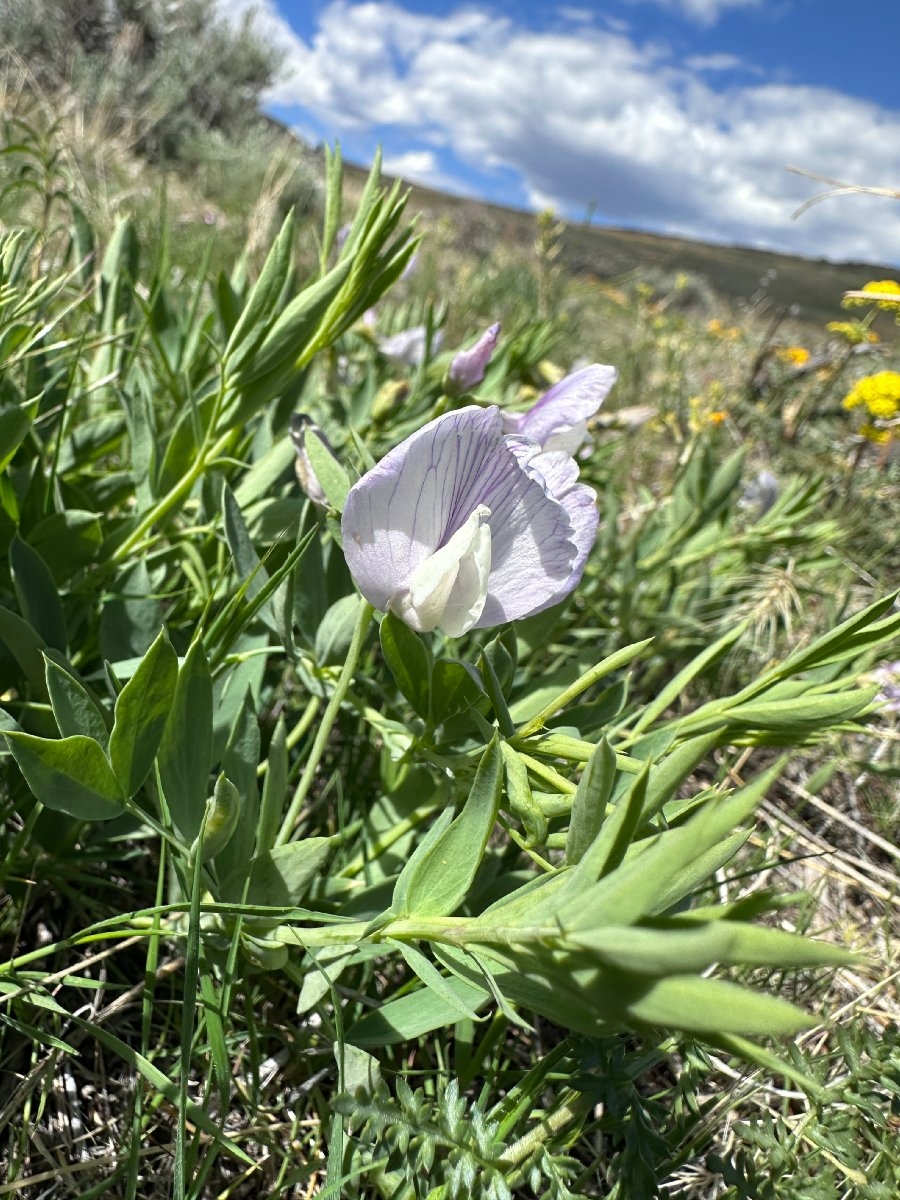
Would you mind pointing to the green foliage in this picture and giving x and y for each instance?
(515, 863)
(174, 73)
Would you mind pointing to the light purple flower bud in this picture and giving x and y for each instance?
(409, 346)
(410, 269)
(559, 420)
(341, 237)
(760, 493)
(307, 477)
(461, 527)
(468, 366)
(888, 675)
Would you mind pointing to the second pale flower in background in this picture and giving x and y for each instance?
(559, 419)
(410, 347)
(461, 527)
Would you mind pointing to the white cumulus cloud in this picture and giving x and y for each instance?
(587, 115)
(704, 12)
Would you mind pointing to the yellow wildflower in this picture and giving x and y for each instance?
(794, 356)
(873, 434)
(719, 329)
(701, 415)
(879, 393)
(883, 406)
(853, 332)
(884, 289)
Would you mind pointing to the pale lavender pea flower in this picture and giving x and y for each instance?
(559, 420)
(468, 366)
(888, 675)
(461, 527)
(760, 493)
(409, 347)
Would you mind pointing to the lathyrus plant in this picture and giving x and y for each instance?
(601, 932)
(191, 667)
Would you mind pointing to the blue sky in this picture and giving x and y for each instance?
(677, 116)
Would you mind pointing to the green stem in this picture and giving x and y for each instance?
(174, 497)
(552, 1124)
(328, 718)
(297, 733)
(348, 933)
(387, 839)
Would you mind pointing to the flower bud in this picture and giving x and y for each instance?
(300, 423)
(468, 366)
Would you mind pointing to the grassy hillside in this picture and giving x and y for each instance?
(811, 288)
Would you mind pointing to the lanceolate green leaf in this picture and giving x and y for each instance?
(26, 646)
(573, 990)
(239, 762)
(74, 708)
(611, 844)
(673, 948)
(410, 873)
(841, 643)
(37, 594)
(716, 1006)
(288, 335)
(409, 659)
(437, 881)
(142, 708)
(629, 892)
(15, 423)
(247, 563)
(409, 1017)
(185, 752)
(282, 876)
(71, 775)
(331, 475)
(590, 800)
(274, 790)
(434, 981)
(260, 308)
(454, 688)
(667, 775)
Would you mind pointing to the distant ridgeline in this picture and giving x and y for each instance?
(807, 288)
